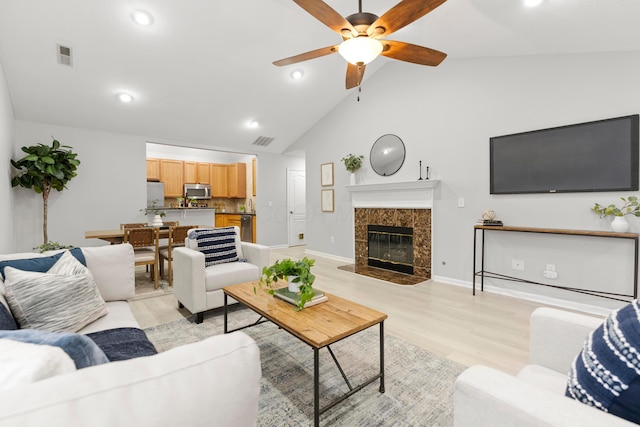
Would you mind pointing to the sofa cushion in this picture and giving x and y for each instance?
(81, 349)
(113, 269)
(54, 302)
(544, 378)
(23, 363)
(7, 322)
(217, 244)
(123, 343)
(221, 275)
(606, 373)
(40, 263)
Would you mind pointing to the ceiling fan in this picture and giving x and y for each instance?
(362, 32)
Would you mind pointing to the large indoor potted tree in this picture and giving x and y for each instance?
(45, 168)
(297, 274)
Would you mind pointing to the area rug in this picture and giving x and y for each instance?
(418, 384)
(145, 286)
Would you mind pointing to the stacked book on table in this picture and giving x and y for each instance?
(293, 297)
(490, 222)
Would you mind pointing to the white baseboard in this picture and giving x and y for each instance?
(330, 256)
(587, 308)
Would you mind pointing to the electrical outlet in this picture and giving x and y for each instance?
(517, 264)
(332, 240)
(461, 202)
(551, 267)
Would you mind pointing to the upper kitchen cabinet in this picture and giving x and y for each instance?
(253, 175)
(218, 180)
(190, 170)
(153, 169)
(204, 173)
(172, 175)
(237, 180)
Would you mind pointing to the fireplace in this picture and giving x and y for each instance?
(398, 205)
(390, 248)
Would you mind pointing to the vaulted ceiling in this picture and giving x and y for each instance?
(204, 69)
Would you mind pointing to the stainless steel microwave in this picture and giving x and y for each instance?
(197, 191)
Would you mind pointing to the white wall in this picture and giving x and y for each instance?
(445, 116)
(6, 149)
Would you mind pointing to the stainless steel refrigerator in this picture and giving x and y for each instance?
(155, 194)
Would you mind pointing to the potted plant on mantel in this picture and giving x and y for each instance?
(630, 206)
(296, 273)
(352, 163)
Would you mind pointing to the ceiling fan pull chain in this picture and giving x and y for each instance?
(359, 91)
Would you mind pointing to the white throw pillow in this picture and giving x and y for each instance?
(23, 363)
(65, 299)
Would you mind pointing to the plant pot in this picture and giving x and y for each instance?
(619, 224)
(293, 287)
(352, 178)
(157, 221)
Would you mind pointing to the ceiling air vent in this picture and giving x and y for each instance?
(64, 55)
(263, 141)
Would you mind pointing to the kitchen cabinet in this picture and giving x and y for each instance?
(228, 220)
(237, 180)
(190, 171)
(218, 180)
(153, 169)
(172, 175)
(204, 173)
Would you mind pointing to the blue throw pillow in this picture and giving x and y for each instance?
(40, 264)
(606, 373)
(217, 244)
(7, 322)
(81, 349)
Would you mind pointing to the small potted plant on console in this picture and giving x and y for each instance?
(630, 206)
(352, 163)
(298, 276)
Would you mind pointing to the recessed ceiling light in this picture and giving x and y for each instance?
(125, 97)
(142, 17)
(254, 124)
(297, 74)
(532, 3)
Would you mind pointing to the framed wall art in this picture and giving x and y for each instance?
(326, 197)
(326, 174)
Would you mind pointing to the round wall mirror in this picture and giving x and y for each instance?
(387, 155)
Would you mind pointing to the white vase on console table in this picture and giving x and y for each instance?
(619, 224)
(157, 221)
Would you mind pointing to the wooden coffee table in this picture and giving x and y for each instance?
(319, 326)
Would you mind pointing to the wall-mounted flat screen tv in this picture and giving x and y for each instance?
(593, 156)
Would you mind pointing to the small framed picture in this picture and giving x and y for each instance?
(326, 174)
(326, 200)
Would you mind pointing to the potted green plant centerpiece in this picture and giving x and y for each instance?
(297, 274)
(352, 163)
(630, 206)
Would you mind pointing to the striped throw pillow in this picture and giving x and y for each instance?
(65, 299)
(606, 373)
(217, 244)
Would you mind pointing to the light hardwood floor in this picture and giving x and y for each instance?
(448, 320)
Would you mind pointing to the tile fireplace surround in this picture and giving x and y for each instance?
(407, 204)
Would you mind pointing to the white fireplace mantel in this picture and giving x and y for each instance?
(402, 195)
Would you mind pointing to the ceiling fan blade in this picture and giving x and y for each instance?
(306, 56)
(402, 14)
(354, 75)
(412, 53)
(325, 14)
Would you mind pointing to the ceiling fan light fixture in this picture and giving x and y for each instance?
(360, 50)
(532, 3)
(297, 74)
(142, 17)
(125, 97)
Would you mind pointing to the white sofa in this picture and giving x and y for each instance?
(199, 288)
(535, 396)
(211, 382)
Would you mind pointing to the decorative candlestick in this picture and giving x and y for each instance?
(420, 167)
(427, 173)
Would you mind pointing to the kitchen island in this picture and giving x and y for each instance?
(197, 216)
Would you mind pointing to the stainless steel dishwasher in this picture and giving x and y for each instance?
(246, 228)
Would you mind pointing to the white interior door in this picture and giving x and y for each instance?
(296, 206)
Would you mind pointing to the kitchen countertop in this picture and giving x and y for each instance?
(235, 213)
(186, 209)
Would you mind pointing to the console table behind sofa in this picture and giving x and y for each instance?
(588, 233)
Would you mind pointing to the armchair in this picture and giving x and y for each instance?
(484, 396)
(199, 288)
